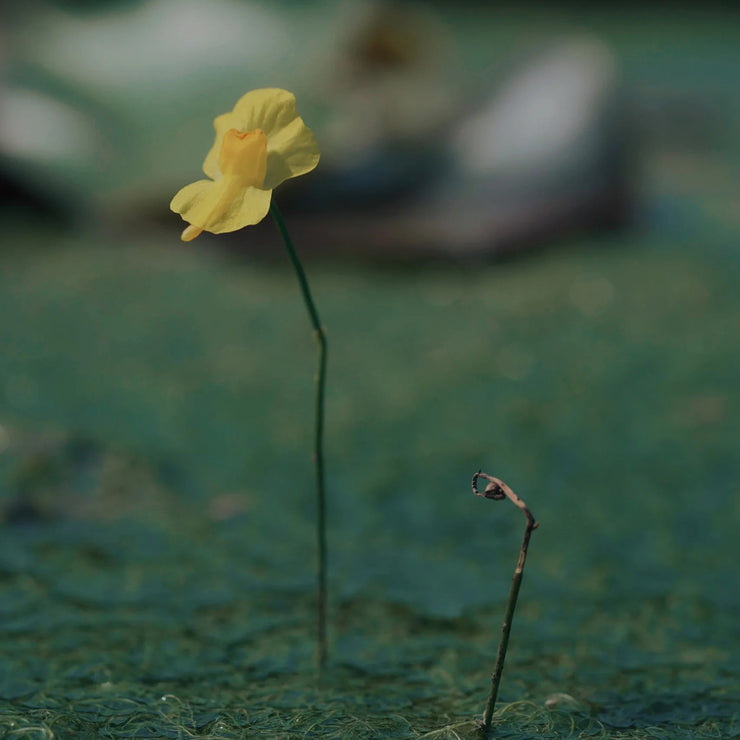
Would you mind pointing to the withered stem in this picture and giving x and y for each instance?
(498, 490)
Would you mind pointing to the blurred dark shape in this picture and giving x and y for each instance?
(393, 93)
(26, 202)
(384, 43)
(53, 141)
(104, 117)
(547, 153)
(58, 476)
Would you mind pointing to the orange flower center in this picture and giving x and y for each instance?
(244, 156)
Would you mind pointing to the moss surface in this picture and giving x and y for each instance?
(157, 551)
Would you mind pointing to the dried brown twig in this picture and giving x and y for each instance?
(498, 490)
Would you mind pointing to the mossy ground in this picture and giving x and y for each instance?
(157, 552)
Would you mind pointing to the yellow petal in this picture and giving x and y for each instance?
(190, 232)
(244, 156)
(291, 152)
(292, 149)
(221, 206)
(222, 124)
(269, 109)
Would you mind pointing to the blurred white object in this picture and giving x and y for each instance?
(132, 91)
(113, 109)
(37, 126)
(546, 152)
(156, 46)
(544, 116)
(111, 112)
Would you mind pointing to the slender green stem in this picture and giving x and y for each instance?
(498, 490)
(320, 337)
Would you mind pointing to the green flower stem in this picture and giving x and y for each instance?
(320, 337)
(498, 490)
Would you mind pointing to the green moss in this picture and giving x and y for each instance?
(155, 407)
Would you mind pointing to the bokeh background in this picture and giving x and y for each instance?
(523, 241)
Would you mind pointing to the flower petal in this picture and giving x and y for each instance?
(270, 109)
(222, 124)
(291, 151)
(190, 232)
(244, 155)
(291, 146)
(221, 206)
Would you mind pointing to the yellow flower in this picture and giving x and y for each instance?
(262, 142)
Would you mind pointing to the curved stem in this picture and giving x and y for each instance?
(498, 490)
(320, 337)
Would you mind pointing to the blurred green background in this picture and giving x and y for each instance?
(157, 549)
